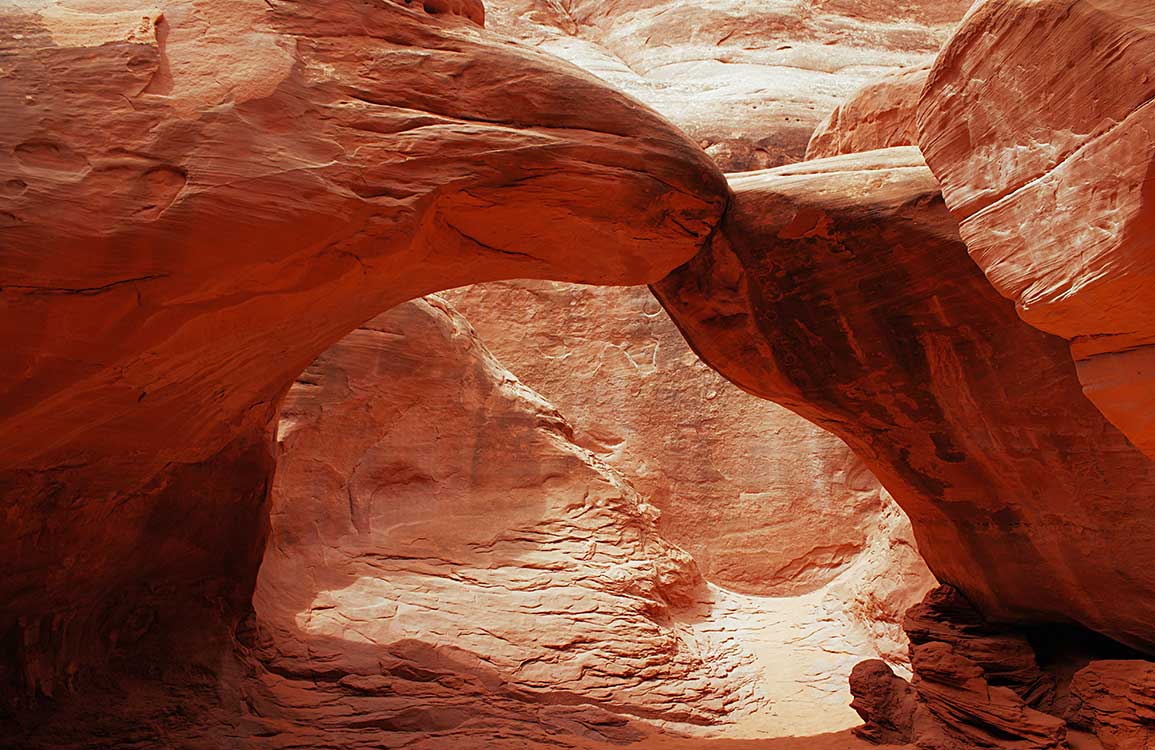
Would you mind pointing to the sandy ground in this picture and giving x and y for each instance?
(800, 651)
(829, 741)
(803, 650)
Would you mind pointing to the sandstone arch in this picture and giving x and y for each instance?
(202, 196)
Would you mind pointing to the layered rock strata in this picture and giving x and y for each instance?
(979, 685)
(1051, 174)
(747, 81)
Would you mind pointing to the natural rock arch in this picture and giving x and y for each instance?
(202, 198)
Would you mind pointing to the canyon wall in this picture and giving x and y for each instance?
(433, 515)
(765, 502)
(199, 198)
(748, 82)
(430, 512)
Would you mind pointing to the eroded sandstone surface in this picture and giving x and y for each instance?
(518, 566)
(983, 684)
(1051, 173)
(881, 114)
(199, 197)
(765, 502)
(491, 546)
(1115, 698)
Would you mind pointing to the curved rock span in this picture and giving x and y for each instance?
(841, 289)
(199, 198)
(491, 552)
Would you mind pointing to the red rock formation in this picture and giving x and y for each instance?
(980, 684)
(1116, 700)
(1005, 656)
(496, 540)
(747, 81)
(885, 702)
(200, 199)
(1038, 120)
(881, 114)
(959, 708)
(840, 289)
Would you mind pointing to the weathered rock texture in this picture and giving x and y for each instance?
(885, 702)
(200, 197)
(1004, 654)
(881, 114)
(961, 709)
(979, 685)
(878, 588)
(840, 288)
(1039, 121)
(491, 546)
(1115, 699)
(765, 502)
(747, 81)
(496, 541)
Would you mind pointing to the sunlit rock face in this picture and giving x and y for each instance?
(881, 114)
(433, 516)
(427, 499)
(198, 197)
(840, 288)
(747, 81)
(764, 501)
(1051, 173)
